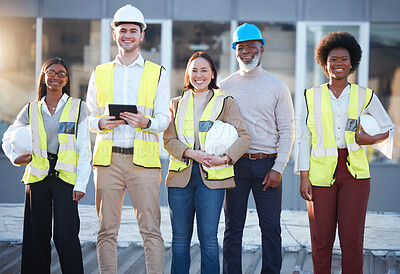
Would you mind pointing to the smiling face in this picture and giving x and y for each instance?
(200, 74)
(248, 54)
(55, 83)
(128, 37)
(338, 63)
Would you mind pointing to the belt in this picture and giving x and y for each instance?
(257, 156)
(123, 150)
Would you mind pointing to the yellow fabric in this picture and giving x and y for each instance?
(187, 126)
(323, 159)
(66, 157)
(145, 147)
(38, 161)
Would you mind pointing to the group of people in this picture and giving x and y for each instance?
(333, 167)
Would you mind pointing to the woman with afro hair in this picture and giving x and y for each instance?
(334, 171)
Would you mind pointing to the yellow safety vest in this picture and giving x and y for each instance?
(145, 146)
(184, 125)
(67, 160)
(324, 154)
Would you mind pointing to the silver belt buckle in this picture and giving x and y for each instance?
(250, 154)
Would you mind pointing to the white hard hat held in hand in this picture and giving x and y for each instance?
(21, 140)
(220, 137)
(369, 124)
(128, 14)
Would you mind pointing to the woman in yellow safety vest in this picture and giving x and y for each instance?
(333, 166)
(57, 171)
(196, 179)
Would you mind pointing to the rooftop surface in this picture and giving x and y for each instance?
(381, 243)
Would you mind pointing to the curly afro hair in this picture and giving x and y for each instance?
(339, 39)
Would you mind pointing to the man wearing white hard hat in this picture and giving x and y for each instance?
(266, 106)
(126, 153)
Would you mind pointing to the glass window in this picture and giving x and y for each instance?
(189, 37)
(78, 43)
(384, 74)
(17, 67)
(279, 51)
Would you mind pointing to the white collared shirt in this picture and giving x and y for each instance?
(126, 90)
(340, 113)
(83, 148)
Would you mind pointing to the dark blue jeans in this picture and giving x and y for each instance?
(197, 198)
(249, 175)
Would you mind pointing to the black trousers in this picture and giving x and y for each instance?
(50, 197)
(249, 175)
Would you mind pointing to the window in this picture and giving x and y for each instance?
(384, 74)
(17, 67)
(189, 37)
(78, 43)
(279, 51)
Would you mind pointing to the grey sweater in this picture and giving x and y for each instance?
(267, 109)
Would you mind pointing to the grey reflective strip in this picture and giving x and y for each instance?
(66, 167)
(73, 110)
(184, 102)
(40, 152)
(37, 171)
(146, 110)
(322, 152)
(318, 117)
(172, 158)
(107, 136)
(219, 167)
(102, 110)
(362, 94)
(35, 129)
(139, 134)
(216, 107)
(67, 146)
(353, 146)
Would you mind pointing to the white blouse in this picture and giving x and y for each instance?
(340, 112)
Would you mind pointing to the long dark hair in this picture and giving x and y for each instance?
(202, 54)
(42, 88)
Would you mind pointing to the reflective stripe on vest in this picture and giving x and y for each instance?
(145, 146)
(185, 132)
(324, 155)
(67, 160)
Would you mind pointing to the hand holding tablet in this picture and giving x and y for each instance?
(116, 109)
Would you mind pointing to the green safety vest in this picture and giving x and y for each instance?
(324, 154)
(145, 146)
(184, 125)
(67, 160)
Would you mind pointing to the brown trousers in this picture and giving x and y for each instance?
(345, 205)
(143, 185)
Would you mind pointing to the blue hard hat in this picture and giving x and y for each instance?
(246, 32)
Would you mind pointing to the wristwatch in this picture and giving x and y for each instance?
(148, 124)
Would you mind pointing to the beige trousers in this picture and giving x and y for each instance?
(143, 185)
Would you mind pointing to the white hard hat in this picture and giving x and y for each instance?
(369, 124)
(21, 140)
(129, 14)
(220, 137)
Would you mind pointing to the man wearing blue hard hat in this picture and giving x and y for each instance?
(267, 109)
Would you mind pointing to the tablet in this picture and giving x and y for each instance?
(116, 109)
